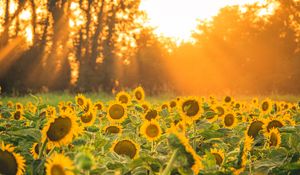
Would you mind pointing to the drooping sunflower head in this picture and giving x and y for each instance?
(18, 114)
(113, 129)
(273, 122)
(229, 120)
(123, 97)
(58, 164)
(126, 147)
(254, 127)
(80, 100)
(60, 130)
(190, 109)
(274, 138)
(151, 114)
(35, 150)
(219, 156)
(11, 162)
(116, 112)
(88, 118)
(139, 94)
(99, 106)
(151, 130)
(266, 106)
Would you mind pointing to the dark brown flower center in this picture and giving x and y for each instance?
(116, 111)
(112, 130)
(8, 163)
(152, 131)
(254, 128)
(152, 114)
(218, 158)
(126, 147)
(59, 128)
(229, 119)
(57, 170)
(191, 108)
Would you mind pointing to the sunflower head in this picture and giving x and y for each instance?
(88, 118)
(116, 112)
(266, 106)
(123, 97)
(60, 129)
(139, 94)
(151, 130)
(274, 137)
(126, 147)
(11, 162)
(18, 114)
(99, 106)
(273, 122)
(228, 99)
(229, 120)
(80, 100)
(58, 164)
(19, 106)
(254, 127)
(219, 156)
(173, 104)
(113, 129)
(151, 114)
(190, 108)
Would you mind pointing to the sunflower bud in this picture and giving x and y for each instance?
(84, 161)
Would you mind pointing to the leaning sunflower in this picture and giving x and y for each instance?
(219, 156)
(60, 129)
(126, 147)
(123, 97)
(35, 150)
(254, 127)
(274, 138)
(273, 122)
(151, 114)
(11, 162)
(139, 94)
(190, 109)
(116, 112)
(151, 130)
(58, 164)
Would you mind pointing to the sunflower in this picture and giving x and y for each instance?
(116, 112)
(221, 110)
(98, 106)
(266, 106)
(35, 151)
(228, 99)
(151, 130)
(212, 114)
(288, 119)
(164, 106)
(58, 164)
(10, 104)
(126, 147)
(273, 122)
(139, 94)
(173, 104)
(88, 106)
(31, 108)
(229, 120)
(50, 111)
(18, 114)
(80, 100)
(145, 105)
(88, 118)
(254, 127)
(60, 129)
(123, 97)
(113, 129)
(11, 162)
(19, 106)
(190, 109)
(274, 138)
(151, 114)
(219, 155)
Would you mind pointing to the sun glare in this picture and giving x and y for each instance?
(178, 18)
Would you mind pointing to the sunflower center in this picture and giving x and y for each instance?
(152, 114)
(80, 101)
(164, 106)
(274, 124)
(86, 118)
(59, 128)
(8, 163)
(145, 107)
(138, 95)
(123, 99)
(57, 170)
(227, 99)
(152, 131)
(116, 111)
(229, 120)
(98, 106)
(254, 128)
(191, 107)
(112, 129)
(273, 140)
(17, 115)
(172, 104)
(265, 106)
(218, 158)
(36, 149)
(126, 147)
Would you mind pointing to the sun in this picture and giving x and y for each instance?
(178, 18)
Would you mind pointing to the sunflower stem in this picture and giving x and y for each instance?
(41, 151)
(167, 170)
(194, 133)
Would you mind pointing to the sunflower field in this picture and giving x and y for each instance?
(185, 135)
